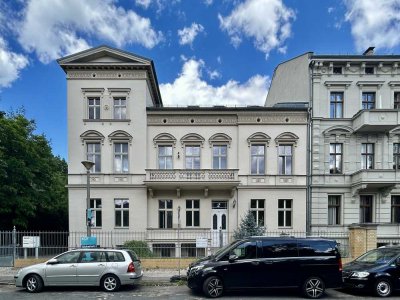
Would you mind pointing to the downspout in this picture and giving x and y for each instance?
(309, 153)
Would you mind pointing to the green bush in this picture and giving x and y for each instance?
(140, 247)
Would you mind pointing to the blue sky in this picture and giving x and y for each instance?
(206, 52)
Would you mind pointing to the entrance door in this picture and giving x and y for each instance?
(219, 224)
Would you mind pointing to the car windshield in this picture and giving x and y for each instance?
(223, 249)
(379, 256)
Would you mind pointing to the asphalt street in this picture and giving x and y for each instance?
(164, 291)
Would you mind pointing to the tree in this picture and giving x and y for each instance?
(248, 227)
(32, 180)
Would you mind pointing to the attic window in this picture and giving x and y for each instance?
(369, 70)
(337, 70)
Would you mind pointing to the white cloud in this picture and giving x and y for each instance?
(190, 89)
(10, 64)
(65, 27)
(267, 22)
(330, 10)
(374, 23)
(143, 3)
(188, 34)
(208, 2)
(214, 74)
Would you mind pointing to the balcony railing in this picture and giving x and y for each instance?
(376, 120)
(183, 175)
(377, 176)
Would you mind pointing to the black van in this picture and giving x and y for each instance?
(377, 270)
(311, 264)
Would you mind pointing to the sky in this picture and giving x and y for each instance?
(206, 52)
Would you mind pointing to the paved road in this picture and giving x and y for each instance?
(161, 292)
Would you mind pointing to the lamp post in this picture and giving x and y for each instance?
(88, 165)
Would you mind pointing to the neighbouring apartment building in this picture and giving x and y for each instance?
(178, 173)
(354, 102)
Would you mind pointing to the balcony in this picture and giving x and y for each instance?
(375, 178)
(376, 120)
(226, 178)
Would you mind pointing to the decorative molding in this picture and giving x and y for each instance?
(106, 75)
(120, 135)
(220, 138)
(92, 136)
(355, 191)
(119, 91)
(192, 138)
(258, 137)
(346, 84)
(164, 138)
(286, 138)
(394, 83)
(92, 91)
(370, 83)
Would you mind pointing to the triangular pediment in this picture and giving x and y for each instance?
(104, 55)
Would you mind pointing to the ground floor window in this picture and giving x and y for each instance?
(396, 209)
(164, 250)
(190, 250)
(334, 209)
(257, 208)
(285, 213)
(366, 209)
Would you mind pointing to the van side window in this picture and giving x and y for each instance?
(115, 256)
(316, 248)
(277, 248)
(247, 250)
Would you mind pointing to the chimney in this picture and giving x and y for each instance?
(369, 51)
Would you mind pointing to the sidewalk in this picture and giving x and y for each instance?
(150, 277)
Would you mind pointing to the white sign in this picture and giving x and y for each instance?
(201, 242)
(30, 241)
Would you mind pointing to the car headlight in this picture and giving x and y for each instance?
(360, 274)
(197, 268)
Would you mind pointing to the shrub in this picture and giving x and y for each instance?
(140, 247)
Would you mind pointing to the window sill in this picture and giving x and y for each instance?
(124, 228)
(106, 120)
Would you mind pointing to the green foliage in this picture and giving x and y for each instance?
(248, 227)
(140, 247)
(32, 180)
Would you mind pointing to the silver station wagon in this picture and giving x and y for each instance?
(107, 268)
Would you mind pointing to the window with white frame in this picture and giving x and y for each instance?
(95, 206)
(395, 209)
(336, 105)
(285, 158)
(93, 154)
(366, 208)
(285, 213)
(335, 158)
(368, 100)
(165, 213)
(120, 108)
(367, 156)
(93, 108)
(220, 156)
(121, 212)
(257, 153)
(121, 162)
(165, 157)
(396, 104)
(396, 156)
(334, 209)
(192, 157)
(257, 209)
(192, 213)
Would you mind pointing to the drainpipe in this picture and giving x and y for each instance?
(309, 153)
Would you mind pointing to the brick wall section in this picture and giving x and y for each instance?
(362, 238)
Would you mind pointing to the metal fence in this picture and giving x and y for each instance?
(153, 243)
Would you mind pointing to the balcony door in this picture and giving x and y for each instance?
(219, 224)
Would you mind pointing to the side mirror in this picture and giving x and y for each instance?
(397, 261)
(53, 261)
(233, 257)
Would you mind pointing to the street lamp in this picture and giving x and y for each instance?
(88, 165)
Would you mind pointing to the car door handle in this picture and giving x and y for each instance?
(256, 263)
(72, 266)
(268, 262)
(101, 265)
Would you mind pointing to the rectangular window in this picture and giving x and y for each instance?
(369, 70)
(257, 159)
(192, 157)
(119, 108)
(257, 208)
(121, 163)
(366, 209)
(121, 212)
(285, 213)
(192, 213)
(93, 154)
(165, 213)
(95, 205)
(190, 250)
(396, 209)
(285, 159)
(335, 158)
(334, 209)
(219, 157)
(164, 250)
(336, 105)
(396, 156)
(367, 156)
(165, 157)
(94, 108)
(368, 100)
(337, 70)
(396, 100)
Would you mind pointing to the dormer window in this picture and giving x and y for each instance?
(337, 70)
(369, 70)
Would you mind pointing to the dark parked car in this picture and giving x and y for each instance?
(377, 270)
(311, 264)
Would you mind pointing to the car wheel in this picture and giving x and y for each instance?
(383, 288)
(213, 287)
(313, 287)
(110, 283)
(34, 284)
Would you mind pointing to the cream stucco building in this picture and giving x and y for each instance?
(161, 170)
